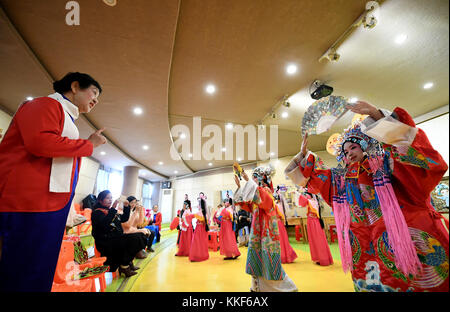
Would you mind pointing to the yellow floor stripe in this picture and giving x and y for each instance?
(167, 273)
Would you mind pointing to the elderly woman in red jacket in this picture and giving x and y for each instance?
(40, 157)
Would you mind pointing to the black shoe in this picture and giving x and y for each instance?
(228, 258)
(128, 272)
(151, 250)
(133, 267)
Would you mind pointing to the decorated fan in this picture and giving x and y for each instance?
(322, 114)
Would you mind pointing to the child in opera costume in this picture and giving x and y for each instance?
(390, 237)
(264, 254)
(288, 254)
(318, 245)
(186, 230)
(227, 239)
(199, 246)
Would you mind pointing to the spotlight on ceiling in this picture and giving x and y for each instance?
(318, 90)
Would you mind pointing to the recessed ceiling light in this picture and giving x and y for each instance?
(428, 85)
(175, 172)
(145, 147)
(285, 115)
(190, 155)
(291, 69)
(353, 100)
(210, 164)
(210, 89)
(400, 39)
(102, 153)
(229, 126)
(182, 136)
(224, 149)
(30, 98)
(137, 111)
(160, 163)
(261, 142)
(110, 2)
(239, 159)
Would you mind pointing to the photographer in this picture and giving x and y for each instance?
(110, 240)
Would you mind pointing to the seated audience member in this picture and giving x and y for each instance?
(136, 222)
(110, 240)
(154, 223)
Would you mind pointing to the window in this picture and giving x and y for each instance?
(115, 183)
(111, 180)
(102, 181)
(147, 190)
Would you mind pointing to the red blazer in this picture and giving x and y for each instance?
(31, 141)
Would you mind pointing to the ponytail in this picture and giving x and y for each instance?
(203, 207)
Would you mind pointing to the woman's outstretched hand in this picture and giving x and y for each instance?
(364, 108)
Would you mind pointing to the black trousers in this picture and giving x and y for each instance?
(121, 250)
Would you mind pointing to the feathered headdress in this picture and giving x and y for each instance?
(353, 134)
(264, 175)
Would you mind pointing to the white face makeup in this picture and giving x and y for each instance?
(353, 152)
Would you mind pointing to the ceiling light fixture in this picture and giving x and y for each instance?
(102, 153)
(137, 111)
(229, 126)
(175, 172)
(291, 69)
(224, 149)
(210, 164)
(145, 147)
(400, 39)
(239, 159)
(284, 114)
(353, 100)
(182, 136)
(160, 163)
(368, 19)
(210, 89)
(261, 142)
(428, 85)
(110, 2)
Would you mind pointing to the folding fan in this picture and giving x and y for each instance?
(322, 114)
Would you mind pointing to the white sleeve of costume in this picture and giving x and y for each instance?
(293, 172)
(389, 130)
(246, 193)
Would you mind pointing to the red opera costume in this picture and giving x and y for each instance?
(288, 254)
(412, 168)
(184, 246)
(227, 238)
(318, 246)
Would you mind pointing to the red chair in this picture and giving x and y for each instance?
(298, 233)
(333, 233)
(96, 261)
(213, 241)
(66, 268)
(98, 255)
